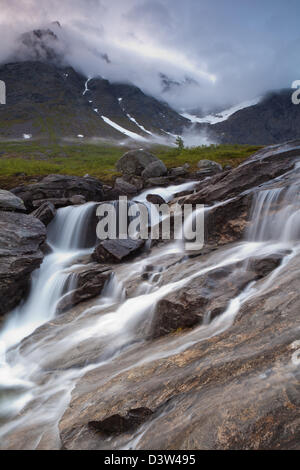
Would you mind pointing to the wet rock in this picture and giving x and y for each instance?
(263, 166)
(10, 202)
(134, 162)
(265, 265)
(45, 213)
(61, 190)
(89, 283)
(237, 385)
(117, 424)
(117, 250)
(21, 237)
(155, 199)
(204, 298)
(154, 170)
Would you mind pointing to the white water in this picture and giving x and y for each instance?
(114, 322)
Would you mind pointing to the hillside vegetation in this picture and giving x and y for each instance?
(21, 161)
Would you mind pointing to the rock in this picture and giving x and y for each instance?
(209, 167)
(61, 190)
(205, 297)
(239, 386)
(155, 199)
(117, 250)
(176, 172)
(263, 166)
(10, 202)
(124, 188)
(154, 170)
(45, 213)
(160, 181)
(90, 281)
(21, 237)
(135, 161)
(117, 424)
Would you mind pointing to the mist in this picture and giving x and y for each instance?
(194, 54)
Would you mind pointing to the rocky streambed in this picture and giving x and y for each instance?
(159, 348)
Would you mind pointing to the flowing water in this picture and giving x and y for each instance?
(39, 373)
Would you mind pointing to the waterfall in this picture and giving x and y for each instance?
(114, 322)
(276, 215)
(68, 238)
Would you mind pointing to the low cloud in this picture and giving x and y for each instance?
(191, 54)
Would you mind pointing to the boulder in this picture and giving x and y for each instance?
(210, 167)
(89, 283)
(21, 237)
(134, 162)
(123, 187)
(178, 171)
(117, 250)
(10, 202)
(159, 181)
(45, 213)
(154, 170)
(203, 298)
(155, 199)
(61, 190)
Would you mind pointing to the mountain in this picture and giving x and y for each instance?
(272, 120)
(48, 98)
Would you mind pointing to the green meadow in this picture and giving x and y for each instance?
(21, 161)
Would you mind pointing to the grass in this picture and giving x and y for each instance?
(21, 161)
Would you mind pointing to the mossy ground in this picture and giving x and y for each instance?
(20, 161)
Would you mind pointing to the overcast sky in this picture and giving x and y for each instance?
(223, 51)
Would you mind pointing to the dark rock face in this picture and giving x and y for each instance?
(36, 88)
(21, 237)
(45, 213)
(62, 190)
(117, 250)
(117, 424)
(10, 202)
(89, 283)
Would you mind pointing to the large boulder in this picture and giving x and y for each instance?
(134, 162)
(10, 202)
(117, 250)
(61, 190)
(89, 283)
(21, 237)
(154, 170)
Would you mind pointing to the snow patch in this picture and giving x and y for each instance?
(223, 115)
(139, 125)
(133, 135)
